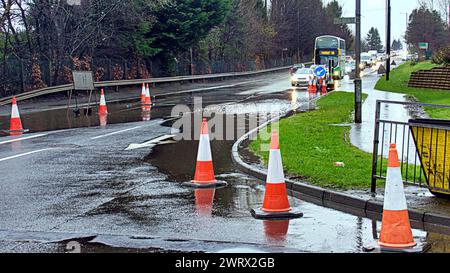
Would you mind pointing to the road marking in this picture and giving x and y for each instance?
(150, 143)
(20, 155)
(115, 133)
(22, 138)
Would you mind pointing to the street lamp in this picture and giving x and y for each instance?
(388, 39)
(358, 81)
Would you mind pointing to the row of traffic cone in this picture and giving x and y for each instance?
(313, 87)
(396, 230)
(16, 128)
(145, 95)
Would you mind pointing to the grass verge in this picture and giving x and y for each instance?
(311, 143)
(399, 84)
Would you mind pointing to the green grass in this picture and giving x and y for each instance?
(399, 84)
(310, 144)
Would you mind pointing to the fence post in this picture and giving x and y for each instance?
(376, 141)
(125, 69)
(22, 75)
(50, 83)
(109, 70)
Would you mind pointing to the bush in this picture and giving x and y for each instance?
(442, 56)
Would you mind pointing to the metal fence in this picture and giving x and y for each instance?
(421, 143)
(21, 75)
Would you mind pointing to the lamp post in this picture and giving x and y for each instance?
(358, 81)
(388, 39)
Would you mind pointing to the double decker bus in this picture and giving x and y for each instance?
(331, 48)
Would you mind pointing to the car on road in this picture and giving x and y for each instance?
(301, 77)
(295, 67)
(350, 66)
(365, 60)
(348, 58)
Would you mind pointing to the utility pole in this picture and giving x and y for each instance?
(406, 15)
(298, 35)
(406, 24)
(358, 81)
(388, 39)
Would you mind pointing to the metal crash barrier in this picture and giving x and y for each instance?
(423, 144)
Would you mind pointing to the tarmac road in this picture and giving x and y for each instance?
(63, 185)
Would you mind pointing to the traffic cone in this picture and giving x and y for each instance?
(143, 93)
(314, 85)
(395, 227)
(276, 203)
(204, 172)
(324, 86)
(148, 99)
(15, 127)
(310, 85)
(102, 110)
(204, 199)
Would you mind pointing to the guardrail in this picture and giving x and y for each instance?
(68, 87)
(422, 145)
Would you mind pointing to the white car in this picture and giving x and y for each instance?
(301, 77)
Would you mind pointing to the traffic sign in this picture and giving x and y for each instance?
(320, 71)
(345, 21)
(83, 80)
(423, 45)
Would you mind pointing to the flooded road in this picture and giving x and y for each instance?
(89, 184)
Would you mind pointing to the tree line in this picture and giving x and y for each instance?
(427, 24)
(146, 33)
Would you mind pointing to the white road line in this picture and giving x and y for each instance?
(22, 138)
(20, 155)
(115, 133)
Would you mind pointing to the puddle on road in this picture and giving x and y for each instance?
(223, 214)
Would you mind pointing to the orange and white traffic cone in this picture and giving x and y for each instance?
(314, 86)
(276, 203)
(310, 85)
(204, 199)
(396, 234)
(324, 86)
(15, 126)
(204, 172)
(148, 99)
(395, 227)
(143, 93)
(102, 110)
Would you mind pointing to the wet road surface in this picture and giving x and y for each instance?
(83, 182)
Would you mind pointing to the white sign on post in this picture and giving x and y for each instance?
(83, 80)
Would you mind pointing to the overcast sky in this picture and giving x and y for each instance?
(373, 15)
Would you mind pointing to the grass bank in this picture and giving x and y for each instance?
(311, 143)
(399, 84)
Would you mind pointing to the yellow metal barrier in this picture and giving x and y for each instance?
(432, 139)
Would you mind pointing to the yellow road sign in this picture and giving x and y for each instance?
(432, 139)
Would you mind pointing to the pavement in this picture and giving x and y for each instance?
(72, 185)
(362, 135)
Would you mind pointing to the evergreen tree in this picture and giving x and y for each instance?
(373, 40)
(426, 25)
(397, 45)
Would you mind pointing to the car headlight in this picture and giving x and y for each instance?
(361, 66)
(336, 73)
